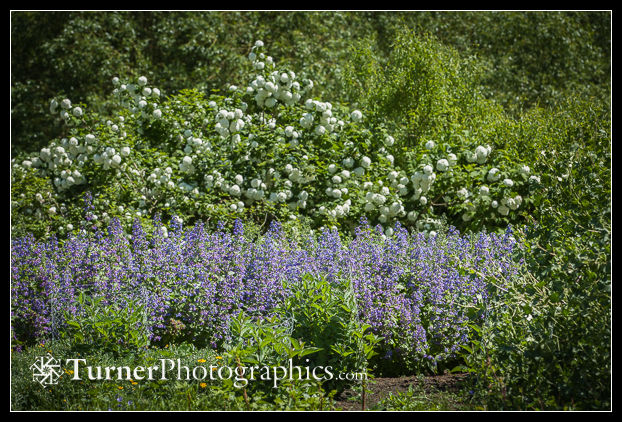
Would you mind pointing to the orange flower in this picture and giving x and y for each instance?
(203, 385)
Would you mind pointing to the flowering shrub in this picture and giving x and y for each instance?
(262, 149)
(416, 293)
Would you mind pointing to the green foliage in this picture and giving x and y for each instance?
(271, 365)
(534, 87)
(325, 315)
(549, 344)
(115, 328)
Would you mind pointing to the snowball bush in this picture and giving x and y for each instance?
(261, 149)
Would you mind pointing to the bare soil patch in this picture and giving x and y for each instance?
(380, 388)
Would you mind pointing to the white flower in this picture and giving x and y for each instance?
(503, 210)
(452, 159)
(356, 116)
(320, 130)
(259, 43)
(53, 106)
(534, 179)
(157, 113)
(525, 169)
(77, 111)
(508, 182)
(423, 200)
(125, 151)
(365, 162)
(442, 164)
(142, 81)
(463, 193)
(494, 204)
(389, 140)
(483, 190)
(116, 160)
(348, 162)
(429, 145)
(493, 175)
(428, 169)
(238, 179)
(66, 104)
(481, 152)
(234, 190)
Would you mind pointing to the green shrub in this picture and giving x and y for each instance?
(116, 328)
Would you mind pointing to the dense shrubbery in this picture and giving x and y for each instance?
(476, 129)
(77, 53)
(268, 150)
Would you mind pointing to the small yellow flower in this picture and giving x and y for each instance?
(201, 360)
(120, 387)
(203, 385)
(218, 357)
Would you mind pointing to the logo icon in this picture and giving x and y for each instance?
(46, 370)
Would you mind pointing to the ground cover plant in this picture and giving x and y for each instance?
(403, 198)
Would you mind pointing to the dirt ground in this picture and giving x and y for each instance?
(381, 387)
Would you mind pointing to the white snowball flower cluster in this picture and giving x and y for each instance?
(326, 122)
(422, 182)
(480, 155)
(399, 182)
(442, 165)
(110, 158)
(162, 177)
(277, 86)
(493, 175)
(230, 122)
(524, 169)
(138, 98)
(508, 182)
(186, 165)
(340, 211)
(365, 162)
(356, 116)
(66, 109)
(463, 193)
